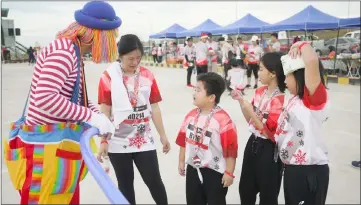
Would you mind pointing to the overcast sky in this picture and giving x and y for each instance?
(39, 21)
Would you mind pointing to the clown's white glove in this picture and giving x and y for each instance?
(102, 122)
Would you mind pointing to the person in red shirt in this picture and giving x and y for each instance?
(208, 145)
(133, 140)
(262, 168)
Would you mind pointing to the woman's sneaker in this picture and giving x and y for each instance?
(356, 164)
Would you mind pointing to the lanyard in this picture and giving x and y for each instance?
(258, 109)
(133, 98)
(275, 92)
(285, 111)
(206, 124)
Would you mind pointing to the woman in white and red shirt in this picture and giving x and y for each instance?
(133, 140)
(254, 54)
(261, 168)
(299, 134)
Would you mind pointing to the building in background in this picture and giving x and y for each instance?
(14, 49)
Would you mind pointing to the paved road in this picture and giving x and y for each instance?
(342, 135)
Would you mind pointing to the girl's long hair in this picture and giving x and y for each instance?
(104, 46)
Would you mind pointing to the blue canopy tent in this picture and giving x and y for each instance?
(247, 24)
(207, 26)
(309, 19)
(350, 23)
(170, 32)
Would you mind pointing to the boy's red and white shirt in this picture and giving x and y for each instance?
(299, 134)
(133, 134)
(219, 142)
(269, 111)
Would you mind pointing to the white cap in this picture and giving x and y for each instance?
(290, 65)
(225, 36)
(254, 38)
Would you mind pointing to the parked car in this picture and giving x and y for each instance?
(343, 46)
(353, 34)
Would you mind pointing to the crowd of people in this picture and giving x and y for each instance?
(286, 137)
(171, 50)
(202, 57)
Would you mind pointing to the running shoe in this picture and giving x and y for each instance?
(356, 164)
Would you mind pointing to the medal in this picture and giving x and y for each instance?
(133, 98)
(206, 124)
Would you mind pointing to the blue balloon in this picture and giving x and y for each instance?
(111, 191)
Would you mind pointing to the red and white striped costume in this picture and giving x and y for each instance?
(52, 85)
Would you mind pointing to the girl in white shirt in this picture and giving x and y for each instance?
(235, 76)
(299, 133)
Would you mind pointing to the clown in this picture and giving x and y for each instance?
(43, 153)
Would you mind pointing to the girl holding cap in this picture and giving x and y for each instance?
(299, 134)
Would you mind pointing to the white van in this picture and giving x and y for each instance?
(353, 34)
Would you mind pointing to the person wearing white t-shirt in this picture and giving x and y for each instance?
(254, 55)
(213, 49)
(275, 45)
(227, 54)
(235, 76)
(299, 134)
(133, 141)
(201, 54)
(241, 49)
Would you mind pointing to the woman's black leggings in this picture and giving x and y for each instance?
(254, 68)
(147, 164)
(260, 173)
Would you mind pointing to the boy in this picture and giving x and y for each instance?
(235, 76)
(211, 152)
